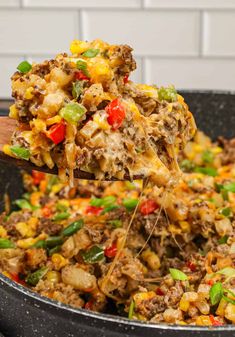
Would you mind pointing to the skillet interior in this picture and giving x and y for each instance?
(26, 314)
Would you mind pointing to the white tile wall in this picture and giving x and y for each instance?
(149, 32)
(219, 30)
(137, 75)
(36, 31)
(8, 65)
(83, 3)
(9, 3)
(185, 42)
(192, 73)
(194, 4)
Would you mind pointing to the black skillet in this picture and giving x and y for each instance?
(24, 313)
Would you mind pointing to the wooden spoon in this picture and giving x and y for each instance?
(7, 127)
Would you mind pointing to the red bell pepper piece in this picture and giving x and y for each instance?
(89, 304)
(37, 177)
(111, 251)
(15, 277)
(159, 292)
(46, 212)
(126, 79)
(80, 76)
(116, 113)
(210, 282)
(94, 210)
(191, 266)
(57, 132)
(215, 322)
(148, 207)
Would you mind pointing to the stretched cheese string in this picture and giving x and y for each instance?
(117, 256)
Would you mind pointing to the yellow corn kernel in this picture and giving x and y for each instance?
(24, 229)
(35, 198)
(143, 296)
(27, 243)
(184, 304)
(220, 311)
(100, 71)
(216, 150)
(99, 44)
(197, 201)
(182, 323)
(148, 89)
(58, 261)
(180, 98)
(174, 230)
(6, 149)
(28, 93)
(136, 114)
(151, 258)
(108, 96)
(3, 232)
(5, 273)
(13, 112)
(185, 226)
(140, 317)
(203, 320)
(53, 276)
(197, 148)
(54, 120)
(64, 202)
(78, 47)
(144, 269)
(186, 299)
(101, 122)
(39, 125)
(28, 136)
(33, 222)
(47, 159)
(56, 188)
(170, 107)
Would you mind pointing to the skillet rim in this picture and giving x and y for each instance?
(31, 295)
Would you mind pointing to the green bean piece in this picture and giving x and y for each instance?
(54, 241)
(5, 243)
(73, 228)
(54, 250)
(33, 278)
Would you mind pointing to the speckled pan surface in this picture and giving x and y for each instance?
(26, 314)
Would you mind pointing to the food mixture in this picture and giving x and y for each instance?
(81, 111)
(147, 253)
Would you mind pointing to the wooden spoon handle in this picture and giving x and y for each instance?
(7, 127)
(28, 166)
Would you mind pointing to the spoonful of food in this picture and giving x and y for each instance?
(80, 116)
(7, 128)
